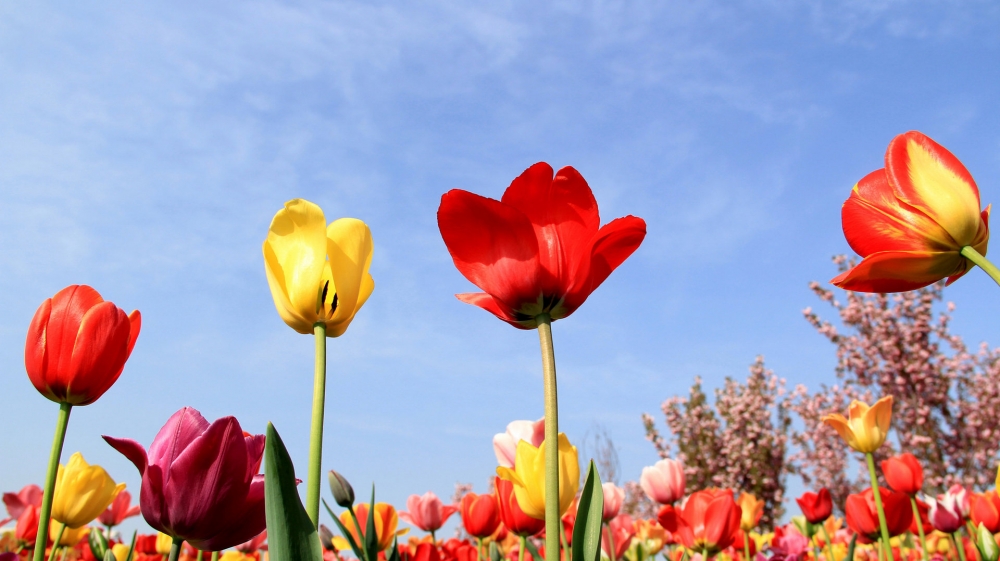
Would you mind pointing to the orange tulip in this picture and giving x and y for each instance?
(386, 520)
(753, 509)
(708, 523)
(910, 220)
(866, 428)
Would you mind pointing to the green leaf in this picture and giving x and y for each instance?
(850, 547)
(986, 544)
(108, 556)
(495, 552)
(532, 550)
(587, 530)
(291, 535)
(344, 532)
(131, 547)
(371, 537)
(98, 543)
(394, 554)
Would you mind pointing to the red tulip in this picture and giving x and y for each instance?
(77, 345)
(27, 524)
(816, 507)
(16, 503)
(986, 511)
(863, 518)
(454, 549)
(903, 473)
(425, 551)
(119, 510)
(200, 480)
(707, 523)
(480, 514)
(621, 532)
(538, 250)
(426, 512)
(511, 514)
(910, 220)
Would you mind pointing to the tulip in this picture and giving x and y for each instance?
(613, 498)
(513, 518)
(255, 543)
(904, 473)
(82, 492)
(199, 480)
(27, 524)
(985, 510)
(16, 503)
(816, 507)
(480, 514)
(505, 443)
(949, 510)
(651, 535)
(67, 537)
(528, 476)
(914, 222)
(789, 544)
(663, 482)
(386, 520)
(751, 509)
(119, 510)
(426, 512)
(866, 428)
(618, 536)
(77, 345)
(862, 516)
(707, 523)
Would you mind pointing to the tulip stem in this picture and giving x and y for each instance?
(920, 527)
(552, 522)
(972, 255)
(316, 433)
(175, 549)
(611, 542)
(55, 544)
(50, 481)
(878, 507)
(215, 556)
(959, 545)
(829, 544)
(520, 550)
(746, 548)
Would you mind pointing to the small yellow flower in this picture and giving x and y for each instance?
(761, 540)
(317, 273)
(82, 492)
(528, 476)
(866, 428)
(752, 508)
(163, 543)
(120, 551)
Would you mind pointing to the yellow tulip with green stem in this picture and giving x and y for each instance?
(82, 492)
(318, 276)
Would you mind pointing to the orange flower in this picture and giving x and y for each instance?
(708, 522)
(867, 427)
(386, 520)
(910, 220)
(752, 509)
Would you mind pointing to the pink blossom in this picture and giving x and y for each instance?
(505, 443)
(613, 497)
(426, 512)
(663, 482)
(788, 544)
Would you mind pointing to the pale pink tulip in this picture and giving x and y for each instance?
(505, 443)
(663, 482)
(426, 512)
(613, 497)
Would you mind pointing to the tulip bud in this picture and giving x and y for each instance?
(987, 544)
(342, 491)
(325, 537)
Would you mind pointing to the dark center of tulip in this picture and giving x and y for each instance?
(322, 299)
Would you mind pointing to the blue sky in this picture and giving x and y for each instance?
(144, 149)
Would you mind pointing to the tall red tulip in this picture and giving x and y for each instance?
(904, 474)
(77, 345)
(986, 511)
(912, 220)
(511, 514)
(707, 523)
(863, 518)
(200, 481)
(540, 249)
(480, 514)
(816, 507)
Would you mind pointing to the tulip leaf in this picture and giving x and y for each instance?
(98, 543)
(131, 547)
(850, 547)
(394, 554)
(371, 536)
(535, 554)
(291, 535)
(344, 532)
(108, 556)
(587, 529)
(495, 552)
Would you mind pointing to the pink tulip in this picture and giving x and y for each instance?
(949, 511)
(613, 497)
(200, 480)
(16, 503)
(426, 512)
(505, 443)
(119, 510)
(663, 482)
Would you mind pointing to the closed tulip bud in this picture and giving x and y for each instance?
(613, 498)
(751, 509)
(480, 514)
(866, 427)
(987, 544)
(816, 507)
(663, 482)
(862, 517)
(82, 492)
(904, 473)
(427, 512)
(528, 476)
(342, 491)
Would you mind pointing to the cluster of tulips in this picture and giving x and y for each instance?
(537, 254)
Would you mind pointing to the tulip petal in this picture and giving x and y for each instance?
(35, 350)
(349, 247)
(493, 245)
(874, 220)
(135, 324)
(564, 215)
(244, 526)
(132, 450)
(180, 430)
(294, 256)
(900, 271)
(491, 305)
(930, 178)
(609, 248)
(99, 354)
(69, 306)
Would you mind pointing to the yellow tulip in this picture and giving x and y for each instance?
(752, 508)
(650, 535)
(866, 428)
(317, 273)
(233, 555)
(163, 543)
(120, 551)
(528, 476)
(70, 536)
(386, 520)
(82, 492)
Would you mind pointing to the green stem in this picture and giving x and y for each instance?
(958, 545)
(829, 544)
(200, 555)
(878, 506)
(479, 549)
(433, 538)
(358, 533)
(215, 556)
(55, 544)
(316, 432)
(50, 481)
(746, 547)
(611, 542)
(881, 551)
(520, 550)
(972, 255)
(175, 549)
(551, 444)
(920, 526)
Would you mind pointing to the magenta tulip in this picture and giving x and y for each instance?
(200, 480)
(949, 511)
(664, 481)
(426, 512)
